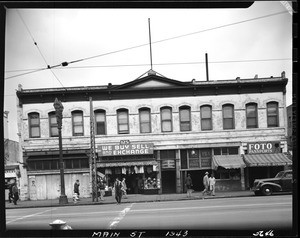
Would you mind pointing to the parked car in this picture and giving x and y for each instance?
(281, 183)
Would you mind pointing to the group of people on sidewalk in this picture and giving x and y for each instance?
(209, 184)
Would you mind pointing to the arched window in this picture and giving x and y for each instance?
(185, 118)
(77, 120)
(228, 116)
(34, 125)
(145, 120)
(272, 114)
(53, 124)
(166, 119)
(251, 115)
(123, 121)
(100, 122)
(206, 117)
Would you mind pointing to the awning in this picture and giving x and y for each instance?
(228, 161)
(10, 171)
(278, 159)
(126, 164)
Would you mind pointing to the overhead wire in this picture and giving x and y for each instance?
(35, 43)
(159, 41)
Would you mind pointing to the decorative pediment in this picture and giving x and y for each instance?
(151, 81)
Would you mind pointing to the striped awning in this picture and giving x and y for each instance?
(126, 164)
(228, 162)
(277, 159)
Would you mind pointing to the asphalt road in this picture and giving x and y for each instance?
(261, 213)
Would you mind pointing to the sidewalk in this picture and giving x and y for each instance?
(131, 198)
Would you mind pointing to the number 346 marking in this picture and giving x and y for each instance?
(262, 233)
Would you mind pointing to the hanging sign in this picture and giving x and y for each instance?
(125, 149)
(264, 147)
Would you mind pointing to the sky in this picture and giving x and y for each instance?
(112, 46)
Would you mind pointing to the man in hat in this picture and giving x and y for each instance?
(205, 183)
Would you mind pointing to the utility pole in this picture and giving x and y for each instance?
(58, 110)
(93, 164)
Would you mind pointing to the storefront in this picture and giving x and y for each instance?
(264, 160)
(133, 161)
(12, 175)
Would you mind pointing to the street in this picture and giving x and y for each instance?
(255, 213)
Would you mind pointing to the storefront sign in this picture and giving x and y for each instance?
(205, 162)
(125, 149)
(168, 164)
(194, 163)
(264, 147)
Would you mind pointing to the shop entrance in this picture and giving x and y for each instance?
(168, 181)
(197, 178)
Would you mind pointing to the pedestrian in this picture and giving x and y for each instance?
(102, 189)
(15, 192)
(76, 191)
(188, 184)
(118, 190)
(212, 183)
(205, 183)
(10, 194)
(124, 188)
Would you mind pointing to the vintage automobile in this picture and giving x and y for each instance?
(281, 183)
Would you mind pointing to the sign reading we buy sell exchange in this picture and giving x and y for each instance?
(125, 149)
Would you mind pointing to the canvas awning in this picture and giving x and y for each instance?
(126, 164)
(258, 160)
(228, 161)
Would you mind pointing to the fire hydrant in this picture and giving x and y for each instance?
(60, 225)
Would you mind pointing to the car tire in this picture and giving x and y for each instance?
(266, 190)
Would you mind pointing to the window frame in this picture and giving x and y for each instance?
(256, 115)
(148, 110)
(231, 106)
(187, 122)
(52, 125)
(74, 113)
(123, 110)
(163, 121)
(206, 119)
(273, 116)
(37, 125)
(100, 111)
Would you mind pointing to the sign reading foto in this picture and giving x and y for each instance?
(264, 147)
(125, 149)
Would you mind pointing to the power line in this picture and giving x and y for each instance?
(133, 47)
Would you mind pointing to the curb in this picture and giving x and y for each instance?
(128, 201)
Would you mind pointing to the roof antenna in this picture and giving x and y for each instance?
(151, 71)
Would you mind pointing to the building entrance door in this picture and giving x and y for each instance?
(168, 181)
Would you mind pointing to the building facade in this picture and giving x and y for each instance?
(154, 131)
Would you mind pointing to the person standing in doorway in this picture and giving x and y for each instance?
(189, 184)
(212, 183)
(205, 183)
(15, 192)
(102, 189)
(124, 188)
(118, 190)
(10, 194)
(76, 189)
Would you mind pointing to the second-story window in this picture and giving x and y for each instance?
(123, 121)
(272, 114)
(251, 114)
(228, 116)
(145, 120)
(185, 118)
(53, 124)
(166, 119)
(77, 119)
(206, 117)
(34, 125)
(100, 122)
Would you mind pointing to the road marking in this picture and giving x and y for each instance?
(120, 216)
(32, 215)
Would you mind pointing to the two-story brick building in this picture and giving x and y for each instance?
(155, 130)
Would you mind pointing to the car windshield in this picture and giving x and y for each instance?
(279, 175)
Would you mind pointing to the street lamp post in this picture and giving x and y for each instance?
(59, 109)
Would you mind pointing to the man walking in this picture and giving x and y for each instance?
(189, 184)
(212, 183)
(124, 188)
(76, 190)
(118, 190)
(15, 192)
(205, 183)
